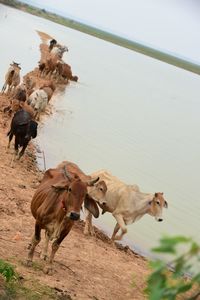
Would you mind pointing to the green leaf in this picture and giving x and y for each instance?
(7, 270)
(168, 244)
(165, 249)
(184, 288)
(196, 278)
(165, 285)
(194, 248)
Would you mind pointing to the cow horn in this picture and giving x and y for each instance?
(67, 174)
(92, 181)
(15, 63)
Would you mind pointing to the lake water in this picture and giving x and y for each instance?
(171, 25)
(130, 114)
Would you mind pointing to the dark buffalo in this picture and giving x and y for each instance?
(23, 128)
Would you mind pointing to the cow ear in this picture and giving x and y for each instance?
(48, 174)
(61, 185)
(91, 205)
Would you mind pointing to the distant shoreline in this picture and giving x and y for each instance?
(166, 57)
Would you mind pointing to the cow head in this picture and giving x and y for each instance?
(74, 196)
(33, 128)
(156, 206)
(53, 42)
(98, 192)
(15, 65)
(74, 78)
(63, 49)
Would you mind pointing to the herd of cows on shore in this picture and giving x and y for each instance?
(63, 190)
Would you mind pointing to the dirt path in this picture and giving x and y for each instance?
(85, 267)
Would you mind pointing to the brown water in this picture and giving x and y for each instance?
(130, 114)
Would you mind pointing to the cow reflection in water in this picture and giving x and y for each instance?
(56, 205)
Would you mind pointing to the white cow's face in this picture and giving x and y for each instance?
(98, 192)
(156, 206)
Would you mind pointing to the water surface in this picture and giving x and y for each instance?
(130, 114)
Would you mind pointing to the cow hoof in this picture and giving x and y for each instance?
(118, 238)
(43, 256)
(29, 246)
(28, 263)
(48, 270)
(86, 232)
(112, 243)
(92, 233)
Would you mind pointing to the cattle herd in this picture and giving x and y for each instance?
(58, 200)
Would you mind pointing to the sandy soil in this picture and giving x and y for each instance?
(85, 267)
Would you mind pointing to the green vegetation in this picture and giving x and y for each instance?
(7, 270)
(163, 284)
(16, 287)
(28, 290)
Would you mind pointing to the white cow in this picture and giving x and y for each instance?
(38, 100)
(12, 77)
(58, 51)
(126, 203)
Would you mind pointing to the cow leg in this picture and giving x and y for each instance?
(88, 229)
(37, 115)
(116, 229)
(55, 247)
(15, 153)
(16, 145)
(122, 226)
(10, 139)
(44, 255)
(4, 87)
(23, 149)
(35, 241)
(9, 89)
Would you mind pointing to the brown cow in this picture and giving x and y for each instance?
(46, 68)
(17, 105)
(30, 84)
(56, 205)
(64, 72)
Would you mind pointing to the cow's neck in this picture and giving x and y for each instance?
(142, 205)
